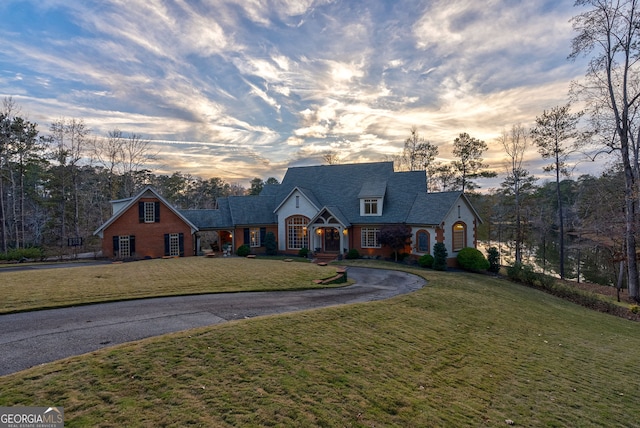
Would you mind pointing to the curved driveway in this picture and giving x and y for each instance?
(31, 338)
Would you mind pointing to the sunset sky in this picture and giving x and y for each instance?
(245, 88)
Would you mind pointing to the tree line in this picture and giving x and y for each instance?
(56, 187)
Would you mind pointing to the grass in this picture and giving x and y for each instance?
(48, 288)
(468, 350)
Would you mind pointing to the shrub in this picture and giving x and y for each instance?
(243, 250)
(18, 254)
(472, 259)
(493, 256)
(270, 244)
(303, 252)
(402, 256)
(634, 309)
(352, 254)
(439, 256)
(426, 261)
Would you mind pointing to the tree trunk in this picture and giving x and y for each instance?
(560, 219)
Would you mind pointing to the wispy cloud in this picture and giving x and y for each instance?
(242, 88)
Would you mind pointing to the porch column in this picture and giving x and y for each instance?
(343, 239)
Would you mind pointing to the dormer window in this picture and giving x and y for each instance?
(371, 206)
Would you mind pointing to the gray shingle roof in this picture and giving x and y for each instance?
(343, 185)
(247, 210)
(432, 208)
(338, 188)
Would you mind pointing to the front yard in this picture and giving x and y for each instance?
(48, 288)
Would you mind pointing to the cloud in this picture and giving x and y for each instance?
(253, 85)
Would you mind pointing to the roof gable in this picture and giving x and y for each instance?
(433, 208)
(147, 192)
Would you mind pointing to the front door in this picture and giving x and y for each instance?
(331, 239)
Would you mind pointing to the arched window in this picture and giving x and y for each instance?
(459, 236)
(297, 232)
(423, 238)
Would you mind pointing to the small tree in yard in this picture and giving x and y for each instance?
(396, 237)
(493, 256)
(440, 256)
(270, 244)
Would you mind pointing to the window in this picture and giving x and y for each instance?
(149, 212)
(255, 237)
(297, 232)
(370, 207)
(459, 236)
(124, 246)
(370, 238)
(125, 250)
(174, 244)
(423, 241)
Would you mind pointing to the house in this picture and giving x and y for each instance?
(146, 226)
(327, 209)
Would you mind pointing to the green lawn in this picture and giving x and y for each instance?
(47, 288)
(468, 350)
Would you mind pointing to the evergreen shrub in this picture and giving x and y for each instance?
(426, 261)
(17, 254)
(352, 254)
(243, 250)
(493, 256)
(270, 244)
(472, 259)
(440, 256)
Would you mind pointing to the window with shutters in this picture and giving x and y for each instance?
(174, 244)
(255, 237)
(124, 246)
(149, 212)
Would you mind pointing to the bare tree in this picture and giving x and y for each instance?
(518, 181)
(609, 32)
(124, 159)
(418, 154)
(331, 157)
(108, 153)
(68, 140)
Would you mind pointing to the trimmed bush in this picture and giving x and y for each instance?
(426, 261)
(303, 252)
(440, 256)
(472, 259)
(493, 256)
(352, 254)
(243, 250)
(270, 244)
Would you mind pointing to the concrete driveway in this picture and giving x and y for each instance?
(32, 338)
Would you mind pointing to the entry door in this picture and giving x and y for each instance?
(331, 239)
